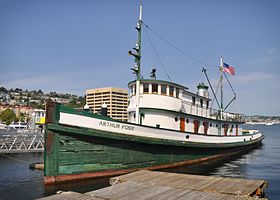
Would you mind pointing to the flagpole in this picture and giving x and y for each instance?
(221, 70)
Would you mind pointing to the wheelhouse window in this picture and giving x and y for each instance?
(131, 91)
(145, 88)
(193, 100)
(163, 89)
(154, 88)
(171, 91)
(177, 92)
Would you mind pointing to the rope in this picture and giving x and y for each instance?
(23, 161)
(161, 64)
(173, 46)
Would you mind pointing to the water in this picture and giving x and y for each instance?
(17, 181)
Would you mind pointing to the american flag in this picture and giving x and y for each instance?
(229, 69)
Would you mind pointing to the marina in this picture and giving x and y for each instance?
(81, 119)
(168, 125)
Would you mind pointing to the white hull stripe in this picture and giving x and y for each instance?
(142, 131)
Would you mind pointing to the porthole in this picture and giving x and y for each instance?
(176, 119)
(210, 124)
(187, 120)
(187, 137)
(216, 125)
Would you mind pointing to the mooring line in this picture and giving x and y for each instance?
(23, 161)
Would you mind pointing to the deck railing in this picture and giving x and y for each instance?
(211, 113)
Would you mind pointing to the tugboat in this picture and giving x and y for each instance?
(168, 126)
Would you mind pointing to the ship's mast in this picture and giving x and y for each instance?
(221, 79)
(137, 68)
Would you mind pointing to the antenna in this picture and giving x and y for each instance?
(153, 73)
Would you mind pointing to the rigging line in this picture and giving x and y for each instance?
(230, 84)
(161, 64)
(170, 44)
(216, 91)
(204, 70)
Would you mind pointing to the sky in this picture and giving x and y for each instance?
(70, 46)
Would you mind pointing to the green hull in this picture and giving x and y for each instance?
(78, 153)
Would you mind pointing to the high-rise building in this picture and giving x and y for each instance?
(116, 100)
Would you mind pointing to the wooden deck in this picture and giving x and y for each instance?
(162, 185)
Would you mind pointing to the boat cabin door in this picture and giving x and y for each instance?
(182, 124)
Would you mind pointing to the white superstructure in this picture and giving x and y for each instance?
(172, 106)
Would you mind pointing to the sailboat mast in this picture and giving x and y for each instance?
(221, 79)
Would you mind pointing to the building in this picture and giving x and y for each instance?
(116, 100)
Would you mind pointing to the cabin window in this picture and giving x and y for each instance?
(158, 125)
(217, 125)
(207, 104)
(187, 120)
(154, 88)
(176, 119)
(210, 124)
(177, 92)
(163, 89)
(193, 100)
(201, 102)
(145, 88)
(171, 91)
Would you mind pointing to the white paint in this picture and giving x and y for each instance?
(136, 130)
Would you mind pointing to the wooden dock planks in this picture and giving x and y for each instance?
(224, 185)
(151, 185)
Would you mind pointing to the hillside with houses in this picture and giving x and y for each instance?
(24, 102)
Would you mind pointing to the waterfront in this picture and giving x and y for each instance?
(17, 181)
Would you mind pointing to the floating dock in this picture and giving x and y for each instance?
(163, 185)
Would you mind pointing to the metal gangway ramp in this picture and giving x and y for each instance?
(22, 142)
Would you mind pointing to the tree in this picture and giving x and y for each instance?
(40, 92)
(2, 89)
(7, 116)
(72, 103)
(22, 117)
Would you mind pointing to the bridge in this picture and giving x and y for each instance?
(22, 142)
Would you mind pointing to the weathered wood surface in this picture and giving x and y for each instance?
(165, 186)
(70, 196)
(233, 186)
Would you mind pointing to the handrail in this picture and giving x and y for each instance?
(211, 113)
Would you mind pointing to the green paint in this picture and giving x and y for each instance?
(71, 150)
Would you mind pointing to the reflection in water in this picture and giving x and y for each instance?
(231, 166)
